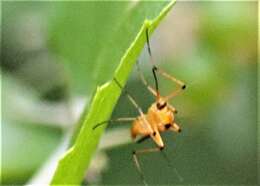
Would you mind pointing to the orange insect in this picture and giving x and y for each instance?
(160, 116)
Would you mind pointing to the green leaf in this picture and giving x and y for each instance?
(73, 165)
(91, 37)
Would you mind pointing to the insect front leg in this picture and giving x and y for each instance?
(181, 85)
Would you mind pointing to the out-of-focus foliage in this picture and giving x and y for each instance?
(30, 78)
(212, 46)
(25, 143)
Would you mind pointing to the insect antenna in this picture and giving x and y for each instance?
(156, 70)
(99, 124)
(148, 43)
(128, 119)
(152, 62)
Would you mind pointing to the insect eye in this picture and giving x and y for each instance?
(168, 125)
(160, 107)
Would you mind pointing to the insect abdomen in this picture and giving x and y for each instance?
(138, 129)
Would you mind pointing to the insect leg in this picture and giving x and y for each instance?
(114, 120)
(157, 149)
(145, 124)
(141, 75)
(143, 139)
(180, 84)
(172, 78)
(136, 161)
(131, 99)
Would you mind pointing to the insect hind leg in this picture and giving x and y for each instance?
(136, 161)
(171, 166)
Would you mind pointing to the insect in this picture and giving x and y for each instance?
(160, 116)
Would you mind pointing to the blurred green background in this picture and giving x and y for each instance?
(212, 46)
